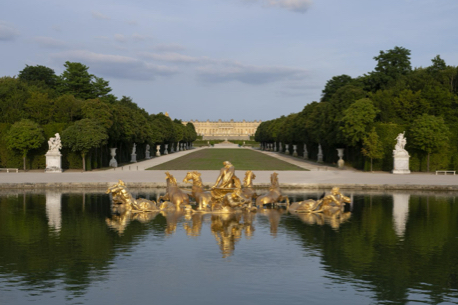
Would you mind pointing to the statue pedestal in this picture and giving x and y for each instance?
(133, 158)
(147, 155)
(53, 162)
(400, 162)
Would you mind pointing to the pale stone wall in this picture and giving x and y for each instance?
(230, 130)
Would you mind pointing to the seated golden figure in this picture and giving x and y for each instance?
(227, 178)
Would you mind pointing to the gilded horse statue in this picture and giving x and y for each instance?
(176, 196)
(248, 192)
(274, 195)
(121, 196)
(203, 199)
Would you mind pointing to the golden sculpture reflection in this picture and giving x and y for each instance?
(228, 206)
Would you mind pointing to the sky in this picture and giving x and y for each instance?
(223, 59)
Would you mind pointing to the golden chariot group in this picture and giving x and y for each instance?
(227, 195)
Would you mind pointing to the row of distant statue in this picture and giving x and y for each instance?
(225, 196)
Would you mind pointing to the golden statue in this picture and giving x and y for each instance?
(234, 200)
(274, 195)
(203, 199)
(227, 178)
(248, 191)
(226, 183)
(334, 201)
(120, 195)
(174, 195)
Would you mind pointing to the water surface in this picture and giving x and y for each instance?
(387, 248)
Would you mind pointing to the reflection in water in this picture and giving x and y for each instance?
(53, 209)
(393, 248)
(333, 217)
(400, 212)
(228, 228)
(273, 215)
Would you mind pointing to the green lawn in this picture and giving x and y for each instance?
(213, 158)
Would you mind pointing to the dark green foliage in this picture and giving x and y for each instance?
(429, 134)
(24, 136)
(372, 146)
(39, 74)
(356, 120)
(334, 84)
(83, 136)
(353, 112)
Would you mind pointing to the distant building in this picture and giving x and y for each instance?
(221, 130)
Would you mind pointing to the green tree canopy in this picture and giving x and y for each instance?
(84, 135)
(372, 146)
(391, 65)
(39, 74)
(356, 120)
(334, 84)
(24, 136)
(429, 134)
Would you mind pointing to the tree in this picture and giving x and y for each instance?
(356, 119)
(13, 95)
(84, 135)
(429, 134)
(24, 136)
(334, 84)
(391, 65)
(37, 74)
(76, 80)
(372, 146)
(98, 111)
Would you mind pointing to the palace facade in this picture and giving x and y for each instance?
(222, 130)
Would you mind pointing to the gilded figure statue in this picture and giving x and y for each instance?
(274, 195)
(227, 182)
(120, 195)
(227, 178)
(333, 201)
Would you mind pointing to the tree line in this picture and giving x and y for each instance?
(365, 114)
(79, 106)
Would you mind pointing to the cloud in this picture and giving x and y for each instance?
(171, 57)
(120, 38)
(99, 16)
(117, 66)
(7, 31)
(299, 6)
(248, 74)
(164, 47)
(50, 43)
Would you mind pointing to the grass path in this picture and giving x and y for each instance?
(213, 158)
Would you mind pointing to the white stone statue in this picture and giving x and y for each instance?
(134, 149)
(147, 152)
(53, 156)
(320, 154)
(401, 143)
(54, 143)
(400, 156)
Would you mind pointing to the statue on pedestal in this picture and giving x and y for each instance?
(320, 154)
(133, 156)
(147, 152)
(400, 156)
(53, 156)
